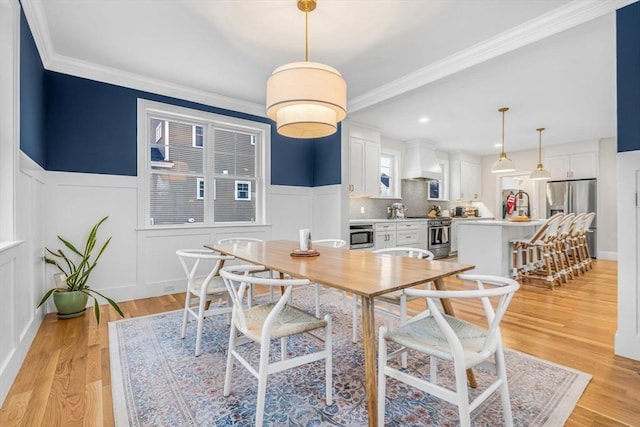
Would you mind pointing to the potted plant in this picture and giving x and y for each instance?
(72, 291)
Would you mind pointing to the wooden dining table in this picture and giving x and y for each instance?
(362, 273)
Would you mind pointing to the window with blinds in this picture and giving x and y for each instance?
(201, 172)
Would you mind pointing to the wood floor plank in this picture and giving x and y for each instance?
(66, 378)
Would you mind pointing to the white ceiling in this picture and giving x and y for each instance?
(455, 61)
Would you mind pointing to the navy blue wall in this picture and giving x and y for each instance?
(32, 95)
(628, 78)
(91, 127)
(73, 124)
(326, 160)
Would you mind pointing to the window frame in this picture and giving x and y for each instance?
(394, 181)
(147, 109)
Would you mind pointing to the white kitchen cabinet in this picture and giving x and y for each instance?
(573, 166)
(408, 234)
(364, 172)
(465, 178)
(385, 235)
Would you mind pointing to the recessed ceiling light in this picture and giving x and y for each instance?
(497, 145)
(423, 119)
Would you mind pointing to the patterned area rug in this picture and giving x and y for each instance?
(157, 381)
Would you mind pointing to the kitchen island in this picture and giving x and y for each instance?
(487, 244)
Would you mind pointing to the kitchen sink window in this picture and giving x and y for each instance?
(199, 168)
(389, 180)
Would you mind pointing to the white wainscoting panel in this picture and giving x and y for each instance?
(327, 213)
(75, 202)
(159, 271)
(21, 272)
(627, 338)
(291, 210)
(8, 332)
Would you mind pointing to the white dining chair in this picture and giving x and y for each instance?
(269, 273)
(201, 267)
(262, 323)
(386, 303)
(436, 335)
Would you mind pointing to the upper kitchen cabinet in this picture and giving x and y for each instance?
(364, 159)
(573, 161)
(465, 177)
(573, 166)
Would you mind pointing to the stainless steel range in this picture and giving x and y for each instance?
(438, 235)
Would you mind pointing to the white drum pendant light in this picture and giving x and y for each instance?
(539, 173)
(306, 99)
(503, 164)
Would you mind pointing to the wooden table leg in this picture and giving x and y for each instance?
(448, 309)
(368, 342)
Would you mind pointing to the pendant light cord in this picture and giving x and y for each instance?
(502, 152)
(306, 36)
(540, 145)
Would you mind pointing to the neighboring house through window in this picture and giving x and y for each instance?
(200, 168)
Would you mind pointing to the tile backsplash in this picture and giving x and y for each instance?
(414, 197)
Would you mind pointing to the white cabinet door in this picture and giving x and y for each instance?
(408, 234)
(372, 169)
(573, 166)
(364, 158)
(584, 165)
(466, 180)
(385, 235)
(470, 180)
(385, 239)
(356, 170)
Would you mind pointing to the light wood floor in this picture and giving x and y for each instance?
(65, 379)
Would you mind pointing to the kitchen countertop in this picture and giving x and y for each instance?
(503, 223)
(374, 220)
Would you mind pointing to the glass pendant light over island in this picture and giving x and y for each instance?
(540, 173)
(503, 164)
(306, 99)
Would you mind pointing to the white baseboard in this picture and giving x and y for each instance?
(613, 256)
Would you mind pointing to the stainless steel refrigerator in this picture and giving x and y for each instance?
(575, 196)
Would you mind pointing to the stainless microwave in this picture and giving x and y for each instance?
(361, 236)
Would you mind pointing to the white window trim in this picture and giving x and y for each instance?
(200, 195)
(248, 199)
(395, 179)
(193, 136)
(147, 108)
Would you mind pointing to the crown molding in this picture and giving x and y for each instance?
(567, 16)
(53, 61)
(79, 68)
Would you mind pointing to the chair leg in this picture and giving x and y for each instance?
(345, 310)
(403, 320)
(201, 310)
(382, 378)
(462, 395)
(187, 303)
(283, 348)
(328, 360)
(233, 336)
(262, 382)
(317, 286)
(354, 319)
(501, 371)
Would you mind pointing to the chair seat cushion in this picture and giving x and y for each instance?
(292, 321)
(425, 336)
(216, 286)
